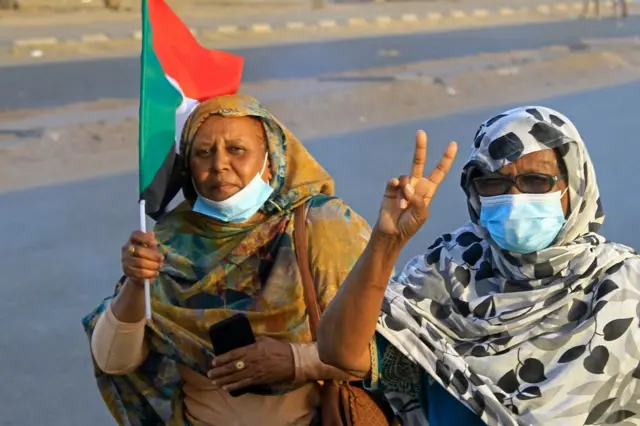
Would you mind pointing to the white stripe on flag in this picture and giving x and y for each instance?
(182, 112)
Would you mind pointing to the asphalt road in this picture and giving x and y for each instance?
(61, 83)
(59, 254)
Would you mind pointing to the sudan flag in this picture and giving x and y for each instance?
(176, 74)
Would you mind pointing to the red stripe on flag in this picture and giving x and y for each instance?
(201, 73)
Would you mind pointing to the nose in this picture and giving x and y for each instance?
(219, 161)
(514, 190)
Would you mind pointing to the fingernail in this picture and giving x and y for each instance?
(214, 383)
(225, 388)
(213, 362)
(403, 204)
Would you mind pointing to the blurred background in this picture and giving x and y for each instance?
(353, 79)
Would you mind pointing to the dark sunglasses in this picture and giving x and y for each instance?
(527, 183)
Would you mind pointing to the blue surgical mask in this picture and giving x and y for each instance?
(242, 205)
(523, 223)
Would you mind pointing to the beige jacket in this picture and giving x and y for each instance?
(119, 348)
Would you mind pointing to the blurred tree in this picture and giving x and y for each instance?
(112, 4)
(9, 4)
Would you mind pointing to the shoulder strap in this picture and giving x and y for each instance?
(302, 254)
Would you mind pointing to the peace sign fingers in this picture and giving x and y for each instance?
(405, 206)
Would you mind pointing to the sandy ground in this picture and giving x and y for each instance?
(41, 12)
(312, 108)
(73, 50)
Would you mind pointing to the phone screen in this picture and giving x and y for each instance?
(233, 333)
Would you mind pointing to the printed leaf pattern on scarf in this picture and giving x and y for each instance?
(547, 338)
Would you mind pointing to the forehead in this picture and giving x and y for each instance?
(545, 161)
(245, 129)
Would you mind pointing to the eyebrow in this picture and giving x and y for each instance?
(497, 173)
(236, 140)
(205, 140)
(201, 143)
(549, 164)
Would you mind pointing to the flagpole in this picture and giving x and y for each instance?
(142, 204)
(147, 284)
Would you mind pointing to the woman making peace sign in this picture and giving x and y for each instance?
(525, 315)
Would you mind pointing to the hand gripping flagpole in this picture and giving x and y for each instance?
(147, 284)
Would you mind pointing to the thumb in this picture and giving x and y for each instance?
(415, 200)
(418, 207)
(391, 189)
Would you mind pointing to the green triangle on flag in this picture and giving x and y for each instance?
(176, 74)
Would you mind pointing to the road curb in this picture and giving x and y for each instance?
(322, 24)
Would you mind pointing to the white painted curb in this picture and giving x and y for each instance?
(263, 28)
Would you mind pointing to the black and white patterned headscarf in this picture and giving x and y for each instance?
(548, 338)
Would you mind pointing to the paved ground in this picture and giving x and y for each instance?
(60, 250)
(61, 244)
(320, 31)
(68, 8)
(210, 14)
(97, 27)
(61, 83)
(360, 162)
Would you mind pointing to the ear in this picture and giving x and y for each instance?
(268, 171)
(562, 168)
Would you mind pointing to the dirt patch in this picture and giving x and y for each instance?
(242, 39)
(312, 108)
(61, 12)
(431, 91)
(123, 7)
(104, 104)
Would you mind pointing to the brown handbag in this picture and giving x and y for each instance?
(342, 403)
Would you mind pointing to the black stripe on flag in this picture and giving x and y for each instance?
(166, 184)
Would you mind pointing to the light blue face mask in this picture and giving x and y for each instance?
(242, 205)
(523, 223)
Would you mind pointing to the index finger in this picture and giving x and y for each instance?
(419, 155)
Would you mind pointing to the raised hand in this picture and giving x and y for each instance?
(407, 198)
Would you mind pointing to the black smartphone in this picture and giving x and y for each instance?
(233, 333)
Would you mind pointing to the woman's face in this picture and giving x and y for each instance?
(548, 162)
(227, 153)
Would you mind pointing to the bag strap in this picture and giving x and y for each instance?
(302, 253)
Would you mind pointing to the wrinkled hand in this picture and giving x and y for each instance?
(267, 361)
(405, 206)
(141, 259)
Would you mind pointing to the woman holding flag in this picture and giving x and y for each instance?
(227, 249)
